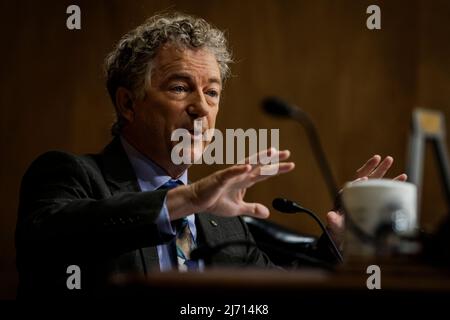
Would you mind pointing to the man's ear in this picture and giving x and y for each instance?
(125, 103)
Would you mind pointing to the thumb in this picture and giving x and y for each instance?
(331, 217)
(256, 210)
(335, 222)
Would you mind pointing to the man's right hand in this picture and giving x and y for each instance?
(222, 193)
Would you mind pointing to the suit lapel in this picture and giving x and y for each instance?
(217, 231)
(117, 169)
(212, 233)
(120, 178)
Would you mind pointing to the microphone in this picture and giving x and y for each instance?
(288, 206)
(278, 108)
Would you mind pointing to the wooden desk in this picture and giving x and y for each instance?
(402, 285)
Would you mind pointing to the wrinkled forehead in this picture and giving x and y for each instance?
(200, 63)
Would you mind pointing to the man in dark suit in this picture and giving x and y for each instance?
(131, 209)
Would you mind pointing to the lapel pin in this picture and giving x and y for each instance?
(214, 223)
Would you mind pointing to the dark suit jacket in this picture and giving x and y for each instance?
(89, 211)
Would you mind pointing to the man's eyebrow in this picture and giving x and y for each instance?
(215, 80)
(179, 76)
(188, 77)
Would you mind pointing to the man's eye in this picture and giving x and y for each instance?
(179, 89)
(212, 93)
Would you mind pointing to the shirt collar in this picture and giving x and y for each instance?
(146, 170)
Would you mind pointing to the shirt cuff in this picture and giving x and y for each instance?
(163, 221)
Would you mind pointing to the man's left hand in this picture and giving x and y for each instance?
(374, 168)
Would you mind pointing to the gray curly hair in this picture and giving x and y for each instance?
(129, 64)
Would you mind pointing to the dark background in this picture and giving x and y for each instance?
(359, 86)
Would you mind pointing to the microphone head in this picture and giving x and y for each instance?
(277, 107)
(284, 205)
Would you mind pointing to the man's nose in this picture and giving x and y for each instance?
(198, 106)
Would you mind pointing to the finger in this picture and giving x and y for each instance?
(225, 176)
(273, 156)
(286, 167)
(359, 179)
(266, 172)
(264, 157)
(254, 159)
(256, 210)
(271, 166)
(334, 219)
(335, 223)
(381, 170)
(283, 155)
(401, 177)
(368, 167)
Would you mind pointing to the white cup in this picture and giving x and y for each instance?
(381, 213)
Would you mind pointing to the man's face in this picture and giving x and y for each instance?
(185, 85)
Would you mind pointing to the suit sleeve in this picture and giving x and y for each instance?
(60, 207)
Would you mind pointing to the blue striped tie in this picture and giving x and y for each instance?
(184, 239)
